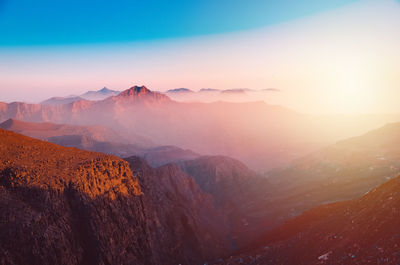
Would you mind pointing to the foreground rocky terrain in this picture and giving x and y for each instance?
(361, 231)
(67, 206)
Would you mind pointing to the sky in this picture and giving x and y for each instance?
(324, 56)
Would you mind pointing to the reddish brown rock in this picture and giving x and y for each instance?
(67, 206)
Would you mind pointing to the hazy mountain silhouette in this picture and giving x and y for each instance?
(99, 94)
(261, 135)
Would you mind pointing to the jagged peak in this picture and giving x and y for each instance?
(137, 92)
(105, 89)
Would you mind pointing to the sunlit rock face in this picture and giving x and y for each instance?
(67, 206)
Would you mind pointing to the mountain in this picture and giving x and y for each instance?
(179, 209)
(236, 91)
(67, 206)
(45, 130)
(238, 193)
(60, 100)
(162, 155)
(63, 205)
(138, 94)
(361, 231)
(180, 90)
(99, 94)
(209, 90)
(346, 170)
(259, 134)
(227, 95)
(100, 139)
(270, 90)
(89, 95)
(343, 171)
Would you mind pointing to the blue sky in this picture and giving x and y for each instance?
(55, 22)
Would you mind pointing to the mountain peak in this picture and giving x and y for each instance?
(99, 94)
(136, 90)
(141, 92)
(105, 90)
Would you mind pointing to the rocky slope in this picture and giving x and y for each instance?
(362, 231)
(343, 171)
(67, 206)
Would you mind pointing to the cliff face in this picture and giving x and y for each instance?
(185, 225)
(67, 206)
(238, 193)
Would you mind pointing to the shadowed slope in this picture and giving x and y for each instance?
(238, 193)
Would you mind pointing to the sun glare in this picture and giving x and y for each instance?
(353, 90)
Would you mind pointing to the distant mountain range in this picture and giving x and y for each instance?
(99, 94)
(176, 93)
(213, 94)
(90, 95)
(261, 135)
(60, 100)
(180, 90)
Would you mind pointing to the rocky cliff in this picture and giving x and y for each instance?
(67, 206)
